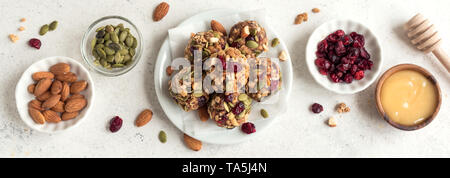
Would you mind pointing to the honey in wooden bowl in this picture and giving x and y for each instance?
(408, 97)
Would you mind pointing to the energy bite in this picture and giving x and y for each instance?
(249, 37)
(265, 79)
(234, 79)
(187, 100)
(229, 110)
(206, 42)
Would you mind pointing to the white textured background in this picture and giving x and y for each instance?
(360, 133)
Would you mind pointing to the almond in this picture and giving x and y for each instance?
(144, 117)
(69, 115)
(160, 11)
(203, 114)
(42, 86)
(35, 104)
(78, 86)
(245, 32)
(41, 75)
(31, 88)
(36, 115)
(50, 102)
(68, 77)
(56, 87)
(65, 91)
(44, 96)
(76, 104)
(51, 116)
(75, 96)
(59, 107)
(192, 143)
(169, 70)
(216, 26)
(60, 68)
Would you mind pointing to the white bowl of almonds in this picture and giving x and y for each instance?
(54, 94)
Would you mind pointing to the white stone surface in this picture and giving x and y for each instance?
(360, 133)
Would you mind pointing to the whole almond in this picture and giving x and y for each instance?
(50, 102)
(31, 88)
(42, 86)
(75, 96)
(75, 104)
(245, 32)
(60, 68)
(160, 11)
(203, 114)
(69, 115)
(59, 107)
(51, 116)
(192, 143)
(144, 117)
(65, 91)
(44, 96)
(35, 104)
(41, 75)
(78, 86)
(68, 77)
(56, 87)
(216, 26)
(36, 115)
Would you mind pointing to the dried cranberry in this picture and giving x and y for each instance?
(353, 69)
(201, 101)
(323, 71)
(369, 64)
(345, 60)
(359, 75)
(347, 40)
(340, 49)
(229, 98)
(35, 43)
(334, 78)
(339, 33)
(364, 54)
(320, 55)
(339, 74)
(320, 62)
(248, 128)
(343, 67)
(316, 108)
(250, 38)
(115, 124)
(334, 59)
(348, 78)
(332, 38)
(235, 45)
(238, 108)
(322, 46)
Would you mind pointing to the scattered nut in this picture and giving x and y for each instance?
(316, 10)
(332, 122)
(23, 20)
(203, 114)
(282, 56)
(21, 28)
(192, 143)
(169, 70)
(342, 108)
(13, 38)
(303, 17)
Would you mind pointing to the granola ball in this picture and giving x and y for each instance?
(187, 93)
(249, 37)
(206, 42)
(262, 82)
(232, 79)
(229, 110)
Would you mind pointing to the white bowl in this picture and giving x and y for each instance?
(23, 97)
(372, 46)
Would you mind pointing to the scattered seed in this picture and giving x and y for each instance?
(23, 20)
(316, 10)
(275, 42)
(169, 70)
(264, 113)
(53, 25)
(13, 38)
(303, 17)
(44, 29)
(162, 137)
(21, 28)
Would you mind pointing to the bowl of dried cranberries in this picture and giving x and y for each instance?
(343, 56)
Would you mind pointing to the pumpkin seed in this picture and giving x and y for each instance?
(100, 34)
(123, 51)
(132, 51)
(251, 44)
(99, 46)
(44, 29)
(117, 31)
(100, 40)
(109, 28)
(264, 113)
(126, 58)
(134, 43)
(118, 58)
(109, 51)
(275, 42)
(117, 65)
(162, 137)
(99, 29)
(123, 36)
(114, 38)
(101, 53)
(242, 97)
(107, 36)
(129, 41)
(110, 58)
(114, 46)
(53, 25)
(93, 42)
(107, 42)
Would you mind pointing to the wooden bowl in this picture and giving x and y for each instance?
(393, 70)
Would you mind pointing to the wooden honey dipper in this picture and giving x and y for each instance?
(424, 36)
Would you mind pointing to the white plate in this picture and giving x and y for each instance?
(372, 46)
(23, 97)
(220, 136)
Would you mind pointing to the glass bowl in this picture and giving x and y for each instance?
(86, 48)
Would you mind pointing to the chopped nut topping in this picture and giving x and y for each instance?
(282, 56)
(332, 122)
(13, 38)
(21, 28)
(316, 10)
(303, 17)
(342, 108)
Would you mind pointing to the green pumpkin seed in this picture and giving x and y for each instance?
(128, 62)
(109, 51)
(101, 53)
(100, 41)
(253, 31)
(117, 31)
(97, 62)
(129, 41)
(123, 51)
(118, 58)
(110, 58)
(251, 44)
(126, 58)
(107, 37)
(107, 42)
(248, 102)
(132, 51)
(100, 34)
(109, 29)
(100, 28)
(120, 26)
(103, 62)
(44, 29)
(99, 46)
(117, 65)
(93, 42)
(115, 46)
(242, 97)
(162, 137)
(123, 36)
(134, 43)
(114, 38)
(53, 25)
(94, 53)
(275, 42)
(264, 113)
